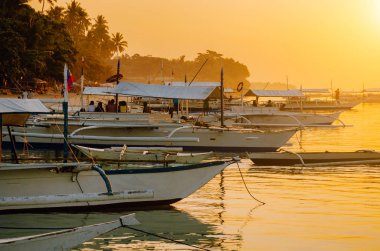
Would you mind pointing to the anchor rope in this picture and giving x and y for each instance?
(166, 238)
(246, 187)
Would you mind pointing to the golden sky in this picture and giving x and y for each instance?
(313, 42)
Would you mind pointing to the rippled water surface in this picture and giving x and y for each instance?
(319, 208)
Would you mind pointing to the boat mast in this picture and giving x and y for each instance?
(82, 85)
(221, 99)
(187, 101)
(117, 83)
(65, 105)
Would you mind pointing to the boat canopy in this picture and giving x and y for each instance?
(215, 84)
(274, 93)
(315, 90)
(17, 111)
(15, 106)
(168, 92)
(102, 91)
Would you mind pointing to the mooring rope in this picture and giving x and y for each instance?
(246, 187)
(67, 143)
(132, 228)
(166, 238)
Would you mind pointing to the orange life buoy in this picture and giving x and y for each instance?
(240, 87)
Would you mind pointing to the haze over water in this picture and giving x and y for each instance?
(321, 208)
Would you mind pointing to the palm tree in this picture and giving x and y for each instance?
(51, 2)
(119, 43)
(9, 8)
(100, 38)
(99, 30)
(56, 13)
(76, 20)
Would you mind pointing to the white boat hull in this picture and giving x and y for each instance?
(44, 188)
(320, 105)
(296, 119)
(190, 138)
(271, 116)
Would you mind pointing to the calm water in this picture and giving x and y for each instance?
(329, 208)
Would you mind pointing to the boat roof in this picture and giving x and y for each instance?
(22, 106)
(103, 91)
(168, 92)
(215, 84)
(274, 93)
(314, 90)
(177, 83)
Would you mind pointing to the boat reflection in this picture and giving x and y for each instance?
(169, 223)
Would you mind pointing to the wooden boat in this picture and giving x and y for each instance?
(44, 186)
(272, 116)
(64, 239)
(54, 186)
(289, 158)
(320, 105)
(190, 138)
(116, 129)
(144, 154)
(259, 117)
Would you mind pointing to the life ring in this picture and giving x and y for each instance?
(240, 87)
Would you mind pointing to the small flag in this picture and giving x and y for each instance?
(70, 80)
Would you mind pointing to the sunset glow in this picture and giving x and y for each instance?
(312, 42)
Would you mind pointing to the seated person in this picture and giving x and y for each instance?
(99, 107)
(145, 107)
(122, 106)
(91, 107)
(269, 103)
(112, 106)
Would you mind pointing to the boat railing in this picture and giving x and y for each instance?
(169, 137)
(298, 124)
(178, 129)
(335, 117)
(298, 155)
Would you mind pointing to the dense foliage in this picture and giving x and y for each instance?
(36, 44)
(31, 45)
(154, 69)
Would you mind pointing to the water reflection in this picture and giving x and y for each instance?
(319, 208)
(170, 223)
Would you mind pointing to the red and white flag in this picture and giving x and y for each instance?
(70, 79)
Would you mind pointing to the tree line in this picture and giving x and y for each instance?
(36, 44)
